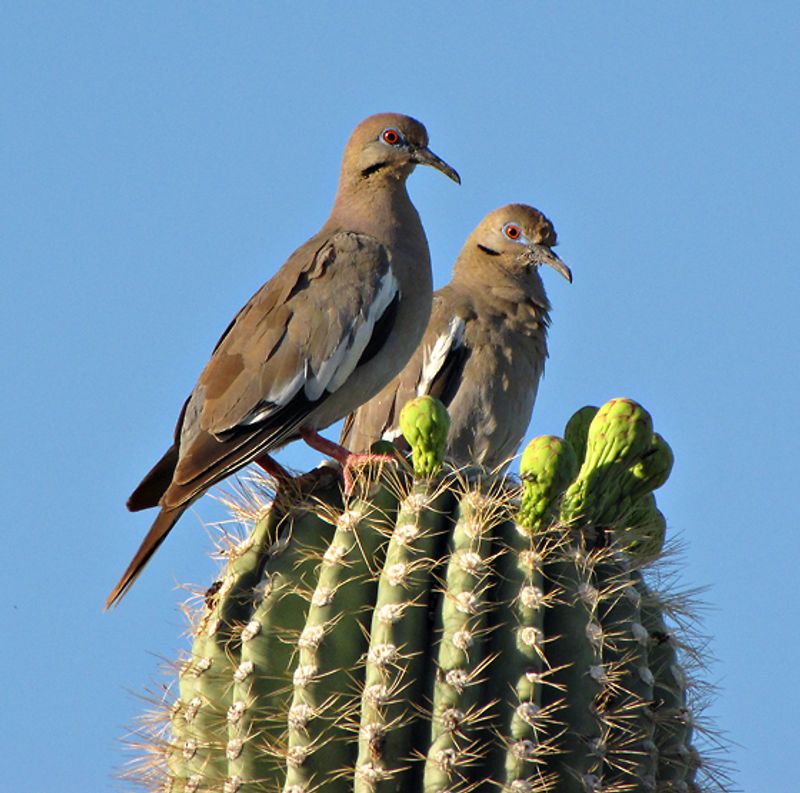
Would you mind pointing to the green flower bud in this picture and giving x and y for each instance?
(645, 530)
(619, 436)
(577, 430)
(424, 422)
(547, 467)
(655, 466)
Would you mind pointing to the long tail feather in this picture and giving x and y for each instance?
(149, 491)
(158, 531)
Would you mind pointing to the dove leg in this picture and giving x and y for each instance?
(343, 456)
(272, 467)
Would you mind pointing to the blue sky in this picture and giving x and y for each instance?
(159, 161)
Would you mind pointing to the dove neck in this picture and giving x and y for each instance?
(378, 205)
(481, 270)
(513, 292)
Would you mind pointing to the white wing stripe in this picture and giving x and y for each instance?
(340, 365)
(436, 354)
(277, 398)
(335, 369)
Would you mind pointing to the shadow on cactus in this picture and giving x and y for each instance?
(448, 631)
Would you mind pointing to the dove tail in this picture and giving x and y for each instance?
(158, 531)
(149, 491)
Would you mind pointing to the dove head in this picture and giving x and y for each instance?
(516, 237)
(387, 146)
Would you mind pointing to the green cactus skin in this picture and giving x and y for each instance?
(200, 714)
(260, 682)
(424, 422)
(449, 633)
(518, 643)
(333, 639)
(672, 716)
(547, 467)
(573, 654)
(462, 625)
(630, 752)
(394, 664)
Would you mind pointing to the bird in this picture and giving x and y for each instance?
(334, 324)
(484, 350)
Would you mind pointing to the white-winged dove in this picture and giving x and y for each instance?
(325, 333)
(484, 350)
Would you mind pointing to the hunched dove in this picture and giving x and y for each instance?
(338, 320)
(484, 350)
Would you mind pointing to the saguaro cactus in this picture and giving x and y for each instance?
(447, 631)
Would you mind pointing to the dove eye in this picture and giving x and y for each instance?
(392, 137)
(512, 231)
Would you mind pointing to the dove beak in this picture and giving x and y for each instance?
(541, 254)
(425, 156)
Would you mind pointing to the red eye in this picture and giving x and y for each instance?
(512, 231)
(391, 136)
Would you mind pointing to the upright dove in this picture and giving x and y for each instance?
(331, 328)
(485, 346)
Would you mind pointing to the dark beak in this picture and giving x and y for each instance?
(427, 157)
(541, 254)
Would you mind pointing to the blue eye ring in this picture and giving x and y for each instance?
(392, 137)
(513, 231)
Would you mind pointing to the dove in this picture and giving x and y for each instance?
(331, 328)
(485, 346)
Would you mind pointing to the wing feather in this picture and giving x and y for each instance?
(437, 354)
(310, 344)
(435, 368)
(278, 361)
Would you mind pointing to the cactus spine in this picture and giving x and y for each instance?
(448, 632)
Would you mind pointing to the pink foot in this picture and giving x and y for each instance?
(343, 456)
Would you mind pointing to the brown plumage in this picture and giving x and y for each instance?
(327, 331)
(484, 350)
